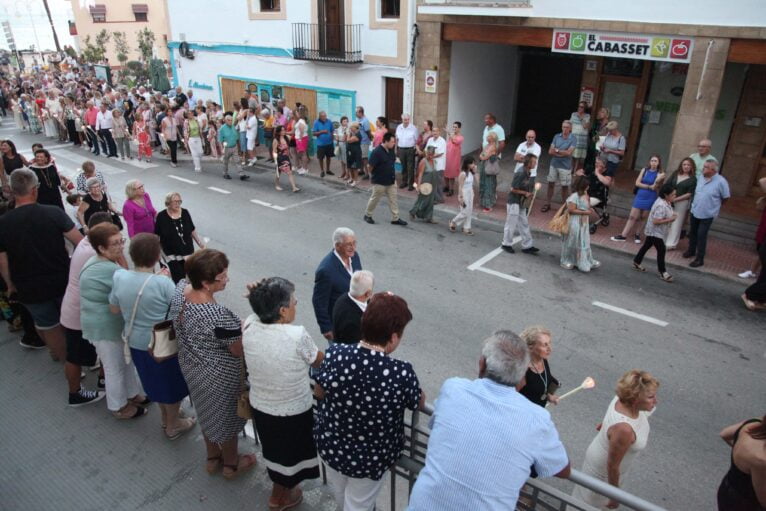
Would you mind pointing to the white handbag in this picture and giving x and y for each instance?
(129, 327)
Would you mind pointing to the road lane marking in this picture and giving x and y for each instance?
(183, 179)
(79, 159)
(502, 275)
(219, 190)
(139, 164)
(487, 258)
(309, 201)
(267, 204)
(631, 314)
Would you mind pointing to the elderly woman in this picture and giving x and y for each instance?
(177, 234)
(138, 211)
(356, 388)
(575, 245)
(580, 120)
(540, 383)
(210, 356)
(278, 356)
(95, 201)
(426, 174)
(51, 182)
(339, 135)
(88, 171)
(488, 180)
(613, 148)
(143, 298)
(104, 330)
(121, 134)
(621, 435)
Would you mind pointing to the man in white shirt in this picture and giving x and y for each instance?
(406, 139)
(440, 161)
(529, 146)
(491, 126)
(104, 125)
(252, 135)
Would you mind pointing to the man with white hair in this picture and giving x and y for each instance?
(333, 277)
(485, 426)
(348, 310)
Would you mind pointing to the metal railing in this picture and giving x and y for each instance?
(480, 3)
(324, 42)
(535, 495)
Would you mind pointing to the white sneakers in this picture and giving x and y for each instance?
(747, 275)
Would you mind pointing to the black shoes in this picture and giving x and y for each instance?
(330, 173)
(398, 221)
(508, 249)
(244, 177)
(410, 188)
(530, 250)
(687, 254)
(226, 176)
(32, 342)
(696, 263)
(369, 219)
(84, 397)
(403, 185)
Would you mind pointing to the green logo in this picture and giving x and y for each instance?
(660, 47)
(577, 42)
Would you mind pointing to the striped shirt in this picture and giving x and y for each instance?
(484, 438)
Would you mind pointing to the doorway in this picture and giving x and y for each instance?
(331, 40)
(394, 100)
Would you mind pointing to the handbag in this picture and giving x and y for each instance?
(560, 221)
(492, 168)
(129, 327)
(116, 220)
(164, 344)
(243, 401)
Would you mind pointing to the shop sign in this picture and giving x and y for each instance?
(588, 94)
(630, 46)
(197, 85)
(431, 77)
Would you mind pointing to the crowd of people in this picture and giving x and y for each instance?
(95, 309)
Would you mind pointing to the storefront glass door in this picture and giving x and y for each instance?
(618, 94)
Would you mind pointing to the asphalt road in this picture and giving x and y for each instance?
(708, 352)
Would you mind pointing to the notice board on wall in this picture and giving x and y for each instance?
(336, 105)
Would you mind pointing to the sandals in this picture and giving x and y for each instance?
(185, 425)
(125, 415)
(296, 190)
(749, 304)
(146, 402)
(545, 208)
(213, 464)
(452, 227)
(245, 462)
(667, 277)
(638, 267)
(468, 233)
(296, 497)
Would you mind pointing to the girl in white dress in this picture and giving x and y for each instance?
(623, 433)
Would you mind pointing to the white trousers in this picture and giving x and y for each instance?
(122, 380)
(513, 220)
(352, 494)
(465, 212)
(195, 148)
(674, 233)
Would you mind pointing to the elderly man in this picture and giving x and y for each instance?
(440, 160)
(348, 310)
(702, 155)
(323, 131)
(560, 171)
(228, 136)
(711, 193)
(522, 188)
(406, 140)
(485, 436)
(491, 126)
(333, 276)
(104, 125)
(529, 146)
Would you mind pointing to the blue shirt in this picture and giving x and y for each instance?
(229, 135)
(484, 438)
(324, 139)
(152, 307)
(364, 129)
(563, 144)
(709, 195)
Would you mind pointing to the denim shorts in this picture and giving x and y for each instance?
(45, 314)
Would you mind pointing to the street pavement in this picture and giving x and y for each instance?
(708, 352)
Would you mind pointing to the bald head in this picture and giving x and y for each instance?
(530, 136)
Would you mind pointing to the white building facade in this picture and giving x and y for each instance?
(331, 55)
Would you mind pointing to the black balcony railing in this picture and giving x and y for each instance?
(327, 43)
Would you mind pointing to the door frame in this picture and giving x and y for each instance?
(322, 28)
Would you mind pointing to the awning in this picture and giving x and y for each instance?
(140, 8)
(98, 9)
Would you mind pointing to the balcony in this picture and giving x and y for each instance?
(320, 42)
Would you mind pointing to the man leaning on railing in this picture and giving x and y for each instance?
(485, 436)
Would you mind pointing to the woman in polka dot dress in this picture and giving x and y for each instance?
(359, 424)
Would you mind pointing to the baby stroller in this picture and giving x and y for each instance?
(599, 198)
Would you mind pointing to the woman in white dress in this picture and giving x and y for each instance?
(623, 433)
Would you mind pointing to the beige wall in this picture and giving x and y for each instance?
(120, 18)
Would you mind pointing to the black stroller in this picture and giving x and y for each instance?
(599, 198)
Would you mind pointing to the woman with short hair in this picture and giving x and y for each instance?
(177, 233)
(621, 435)
(143, 298)
(355, 385)
(278, 357)
(209, 353)
(340, 138)
(88, 171)
(51, 182)
(353, 152)
(103, 329)
(541, 385)
(95, 201)
(138, 211)
(121, 134)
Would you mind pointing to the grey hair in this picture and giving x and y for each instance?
(710, 162)
(23, 181)
(506, 356)
(362, 281)
(269, 296)
(92, 181)
(340, 234)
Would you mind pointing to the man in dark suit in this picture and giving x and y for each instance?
(348, 310)
(333, 277)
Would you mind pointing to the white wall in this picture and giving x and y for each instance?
(746, 13)
(483, 78)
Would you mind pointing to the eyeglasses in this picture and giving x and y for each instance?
(118, 243)
(225, 278)
(176, 201)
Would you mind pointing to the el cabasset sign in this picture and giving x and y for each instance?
(630, 46)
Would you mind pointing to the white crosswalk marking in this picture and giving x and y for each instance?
(219, 190)
(139, 164)
(631, 314)
(267, 204)
(183, 179)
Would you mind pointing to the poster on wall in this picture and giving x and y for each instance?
(632, 46)
(431, 77)
(336, 105)
(588, 94)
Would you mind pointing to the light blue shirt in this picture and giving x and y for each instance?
(709, 195)
(152, 307)
(364, 127)
(484, 438)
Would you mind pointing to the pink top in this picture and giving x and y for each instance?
(90, 115)
(377, 139)
(139, 219)
(454, 150)
(70, 306)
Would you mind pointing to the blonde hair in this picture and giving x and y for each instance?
(169, 197)
(131, 187)
(531, 334)
(634, 384)
(492, 137)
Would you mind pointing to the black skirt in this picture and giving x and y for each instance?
(288, 447)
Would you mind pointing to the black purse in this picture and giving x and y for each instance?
(116, 220)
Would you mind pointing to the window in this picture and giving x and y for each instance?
(99, 18)
(141, 12)
(389, 8)
(98, 13)
(269, 5)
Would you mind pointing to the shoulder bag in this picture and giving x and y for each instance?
(243, 402)
(164, 344)
(129, 327)
(560, 221)
(492, 166)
